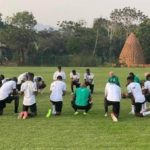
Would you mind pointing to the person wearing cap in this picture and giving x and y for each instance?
(59, 72)
(82, 99)
(58, 90)
(8, 93)
(89, 79)
(75, 77)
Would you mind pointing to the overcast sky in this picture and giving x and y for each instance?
(48, 12)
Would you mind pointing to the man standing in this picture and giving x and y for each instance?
(113, 97)
(7, 94)
(82, 99)
(58, 90)
(59, 72)
(89, 80)
(74, 76)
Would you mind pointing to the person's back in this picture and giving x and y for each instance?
(7, 88)
(82, 96)
(29, 87)
(113, 92)
(136, 91)
(57, 88)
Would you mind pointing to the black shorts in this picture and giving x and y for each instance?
(58, 106)
(138, 107)
(147, 97)
(32, 107)
(9, 99)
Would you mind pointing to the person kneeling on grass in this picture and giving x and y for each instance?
(135, 93)
(113, 97)
(29, 90)
(8, 93)
(58, 90)
(82, 99)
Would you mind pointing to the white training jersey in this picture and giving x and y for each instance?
(136, 91)
(61, 73)
(6, 89)
(22, 77)
(147, 85)
(57, 87)
(28, 88)
(75, 77)
(113, 92)
(89, 77)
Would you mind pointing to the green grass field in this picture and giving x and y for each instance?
(69, 132)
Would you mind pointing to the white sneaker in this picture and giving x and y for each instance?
(114, 117)
(131, 113)
(106, 115)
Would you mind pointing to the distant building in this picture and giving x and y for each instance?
(132, 53)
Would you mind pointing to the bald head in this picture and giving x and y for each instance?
(111, 73)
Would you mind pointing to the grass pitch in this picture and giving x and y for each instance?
(69, 132)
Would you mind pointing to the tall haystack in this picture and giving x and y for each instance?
(132, 53)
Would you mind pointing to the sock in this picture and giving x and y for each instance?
(146, 113)
(53, 110)
(132, 108)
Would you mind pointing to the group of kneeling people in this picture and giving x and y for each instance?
(29, 85)
(138, 92)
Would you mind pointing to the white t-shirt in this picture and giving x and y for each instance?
(147, 85)
(28, 88)
(57, 87)
(136, 91)
(6, 89)
(113, 92)
(22, 77)
(75, 77)
(89, 78)
(61, 73)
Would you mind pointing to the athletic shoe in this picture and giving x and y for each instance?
(49, 113)
(20, 116)
(84, 113)
(131, 113)
(76, 113)
(106, 115)
(114, 118)
(72, 93)
(25, 115)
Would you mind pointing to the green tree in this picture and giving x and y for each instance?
(143, 33)
(19, 34)
(129, 17)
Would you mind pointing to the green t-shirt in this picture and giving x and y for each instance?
(136, 79)
(114, 79)
(82, 96)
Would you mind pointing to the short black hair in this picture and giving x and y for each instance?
(59, 77)
(131, 74)
(130, 78)
(2, 77)
(14, 79)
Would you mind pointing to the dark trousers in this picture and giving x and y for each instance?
(91, 86)
(115, 107)
(58, 106)
(76, 107)
(9, 99)
(33, 109)
(76, 83)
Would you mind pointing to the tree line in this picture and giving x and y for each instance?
(73, 44)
